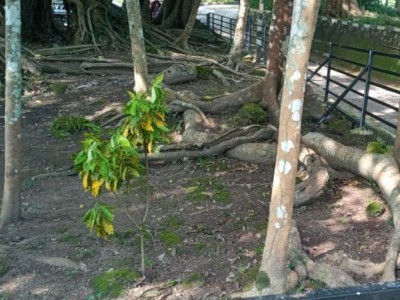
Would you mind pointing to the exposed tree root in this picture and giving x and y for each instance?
(218, 146)
(330, 275)
(317, 180)
(377, 167)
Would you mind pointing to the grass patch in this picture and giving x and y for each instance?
(111, 284)
(170, 239)
(5, 266)
(193, 280)
(58, 88)
(201, 189)
(173, 222)
(64, 126)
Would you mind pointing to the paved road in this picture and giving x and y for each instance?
(229, 11)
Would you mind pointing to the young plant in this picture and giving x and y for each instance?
(113, 164)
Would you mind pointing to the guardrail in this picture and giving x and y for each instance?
(257, 37)
(365, 77)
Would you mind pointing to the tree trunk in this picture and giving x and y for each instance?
(11, 205)
(98, 22)
(278, 36)
(175, 13)
(237, 45)
(137, 45)
(398, 4)
(273, 271)
(396, 149)
(184, 37)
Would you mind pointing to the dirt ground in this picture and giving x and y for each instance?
(202, 245)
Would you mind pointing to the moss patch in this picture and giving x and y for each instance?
(173, 222)
(262, 281)
(378, 147)
(201, 189)
(170, 239)
(111, 284)
(58, 88)
(250, 113)
(203, 72)
(66, 125)
(193, 280)
(339, 126)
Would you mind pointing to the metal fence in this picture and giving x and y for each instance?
(256, 35)
(354, 89)
(376, 107)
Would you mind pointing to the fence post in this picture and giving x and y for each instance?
(208, 20)
(328, 73)
(231, 28)
(366, 90)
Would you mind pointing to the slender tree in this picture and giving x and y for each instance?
(238, 39)
(184, 36)
(273, 269)
(11, 205)
(137, 45)
(277, 48)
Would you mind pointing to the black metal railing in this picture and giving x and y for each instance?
(257, 36)
(365, 77)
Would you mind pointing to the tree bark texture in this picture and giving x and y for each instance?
(176, 13)
(341, 8)
(238, 39)
(184, 36)
(137, 46)
(277, 48)
(11, 205)
(273, 264)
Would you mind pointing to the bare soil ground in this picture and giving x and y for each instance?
(207, 219)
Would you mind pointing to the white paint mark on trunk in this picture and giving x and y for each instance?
(284, 167)
(278, 226)
(281, 212)
(287, 145)
(295, 107)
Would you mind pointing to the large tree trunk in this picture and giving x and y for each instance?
(278, 36)
(272, 277)
(11, 205)
(98, 22)
(137, 45)
(37, 22)
(184, 37)
(237, 46)
(175, 13)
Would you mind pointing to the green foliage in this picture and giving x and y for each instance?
(100, 218)
(110, 284)
(193, 280)
(378, 20)
(63, 126)
(268, 4)
(378, 147)
(170, 239)
(374, 208)
(58, 88)
(111, 160)
(145, 124)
